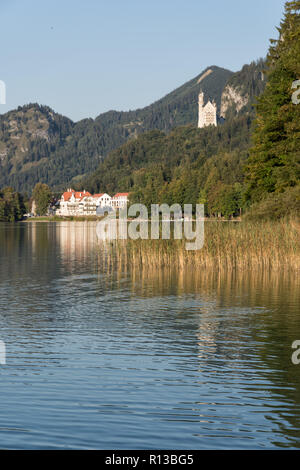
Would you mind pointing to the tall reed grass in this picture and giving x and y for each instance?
(227, 245)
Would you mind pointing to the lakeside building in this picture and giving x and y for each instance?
(83, 203)
(120, 200)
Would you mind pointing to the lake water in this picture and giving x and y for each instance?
(108, 358)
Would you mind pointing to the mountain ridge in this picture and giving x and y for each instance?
(58, 150)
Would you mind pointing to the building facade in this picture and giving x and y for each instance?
(82, 203)
(120, 200)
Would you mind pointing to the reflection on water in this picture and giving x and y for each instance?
(106, 357)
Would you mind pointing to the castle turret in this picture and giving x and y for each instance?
(200, 112)
(201, 98)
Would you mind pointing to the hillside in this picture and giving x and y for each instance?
(39, 145)
(28, 137)
(187, 165)
(180, 107)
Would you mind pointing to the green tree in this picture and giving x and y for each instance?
(42, 196)
(12, 206)
(274, 163)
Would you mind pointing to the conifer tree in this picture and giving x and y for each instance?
(274, 163)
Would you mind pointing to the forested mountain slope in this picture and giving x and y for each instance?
(39, 145)
(188, 165)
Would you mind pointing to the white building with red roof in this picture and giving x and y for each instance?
(72, 202)
(80, 203)
(120, 200)
(102, 200)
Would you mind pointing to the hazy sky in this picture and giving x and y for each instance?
(85, 57)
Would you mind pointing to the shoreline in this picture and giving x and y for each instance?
(62, 219)
(95, 218)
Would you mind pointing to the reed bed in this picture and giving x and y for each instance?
(227, 245)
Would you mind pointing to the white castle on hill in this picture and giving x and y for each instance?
(207, 113)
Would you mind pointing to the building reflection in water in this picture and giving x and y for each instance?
(76, 240)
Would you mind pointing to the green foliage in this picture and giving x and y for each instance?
(12, 206)
(274, 164)
(276, 206)
(225, 199)
(180, 167)
(42, 196)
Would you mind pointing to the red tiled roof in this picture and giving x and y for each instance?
(67, 195)
(98, 195)
(77, 194)
(121, 194)
(81, 194)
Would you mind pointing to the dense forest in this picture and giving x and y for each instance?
(186, 166)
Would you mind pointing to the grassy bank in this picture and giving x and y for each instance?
(245, 245)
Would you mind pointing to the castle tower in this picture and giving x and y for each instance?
(207, 115)
(200, 110)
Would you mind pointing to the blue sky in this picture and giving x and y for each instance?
(83, 58)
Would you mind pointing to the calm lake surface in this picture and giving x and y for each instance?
(100, 357)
